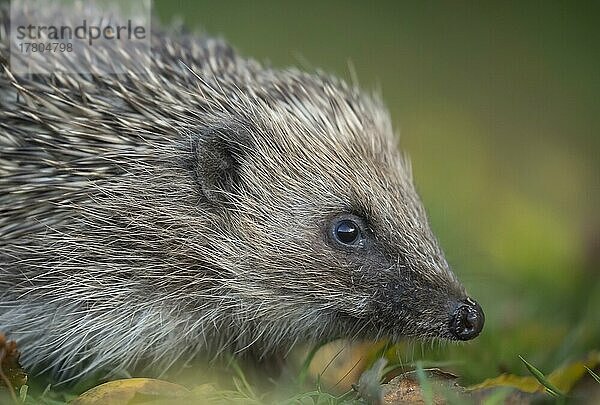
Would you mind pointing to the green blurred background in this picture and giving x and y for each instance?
(498, 104)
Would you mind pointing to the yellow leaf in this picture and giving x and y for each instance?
(122, 392)
(525, 384)
(566, 376)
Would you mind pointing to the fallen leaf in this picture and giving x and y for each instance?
(406, 389)
(130, 391)
(564, 378)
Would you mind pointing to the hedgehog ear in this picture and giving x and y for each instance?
(217, 155)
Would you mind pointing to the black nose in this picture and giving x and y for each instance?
(467, 320)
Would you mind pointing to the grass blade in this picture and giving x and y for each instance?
(594, 375)
(426, 389)
(550, 388)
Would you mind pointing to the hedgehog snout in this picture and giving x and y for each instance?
(467, 320)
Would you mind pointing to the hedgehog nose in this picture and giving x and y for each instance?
(467, 320)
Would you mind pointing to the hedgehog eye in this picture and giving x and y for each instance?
(347, 232)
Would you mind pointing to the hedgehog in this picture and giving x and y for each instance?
(207, 203)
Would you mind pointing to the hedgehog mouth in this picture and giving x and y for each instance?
(461, 320)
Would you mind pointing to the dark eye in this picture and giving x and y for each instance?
(347, 232)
